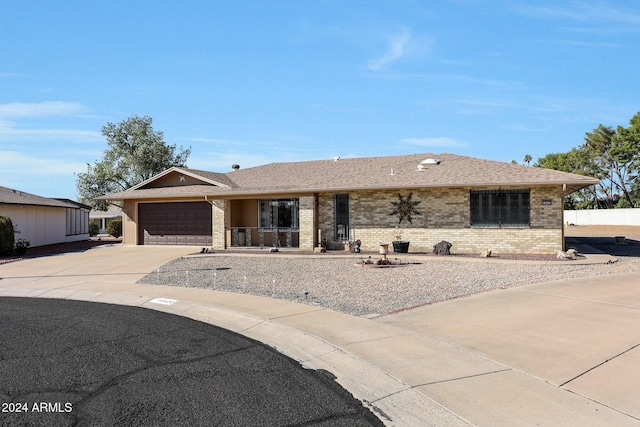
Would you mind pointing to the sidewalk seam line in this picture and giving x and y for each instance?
(599, 364)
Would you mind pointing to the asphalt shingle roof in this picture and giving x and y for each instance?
(10, 196)
(388, 172)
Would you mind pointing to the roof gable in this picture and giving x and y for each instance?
(180, 177)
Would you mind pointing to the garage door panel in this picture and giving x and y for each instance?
(175, 223)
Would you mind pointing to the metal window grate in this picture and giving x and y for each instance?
(341, 203)
(497, 208)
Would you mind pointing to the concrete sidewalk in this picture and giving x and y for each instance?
(558, 353)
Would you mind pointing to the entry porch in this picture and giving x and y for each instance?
(280, 222)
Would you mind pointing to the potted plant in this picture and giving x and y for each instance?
(399, 245)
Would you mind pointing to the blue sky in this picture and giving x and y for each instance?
(253, 82)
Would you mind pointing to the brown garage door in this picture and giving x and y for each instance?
(176, 223)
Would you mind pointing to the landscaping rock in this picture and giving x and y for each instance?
(442, 248)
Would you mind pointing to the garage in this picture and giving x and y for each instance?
(175, 223)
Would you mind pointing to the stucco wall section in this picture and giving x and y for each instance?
(40, 225)
(129, 224)
(619, 216)
(444, 215)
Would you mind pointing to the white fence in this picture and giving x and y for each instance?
(629, 216)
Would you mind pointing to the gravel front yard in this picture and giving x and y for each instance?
(337, 284)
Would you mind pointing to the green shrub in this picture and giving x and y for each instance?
(7, 235)
(115, 228)
(21, 246)
(94, 228)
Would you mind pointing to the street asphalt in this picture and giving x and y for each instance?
(78, 363)
(560, 353)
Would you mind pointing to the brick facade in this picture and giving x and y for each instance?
(219, 218)
(306, 218)
(445, 216)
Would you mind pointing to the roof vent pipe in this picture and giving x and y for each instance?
(235, 167)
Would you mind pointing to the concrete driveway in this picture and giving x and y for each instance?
(557, 353)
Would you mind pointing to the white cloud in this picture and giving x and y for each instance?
(27, 122)
(599, 13)
(47, 108)
(519, 127)
(19, 164)
(10, 133)
(44, 176)
(434, 142)
(591, 44)
(397, 48)
(400, 45)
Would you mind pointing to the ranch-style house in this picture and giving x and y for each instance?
(473, 203)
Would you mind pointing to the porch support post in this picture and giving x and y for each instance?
(218, 217)
(306, 218)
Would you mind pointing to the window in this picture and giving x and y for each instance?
(342, 217)
(281, 213)
(497, 208)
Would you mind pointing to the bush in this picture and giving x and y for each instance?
(94, 228)
(115, 228)
(7, 235)
(21, 246)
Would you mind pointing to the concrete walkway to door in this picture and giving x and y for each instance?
(557, 353)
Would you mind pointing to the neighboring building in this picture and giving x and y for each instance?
(103, 218)
(44, 221)
(475, 204)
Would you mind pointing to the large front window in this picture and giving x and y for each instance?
(497, 208)
(280, 213)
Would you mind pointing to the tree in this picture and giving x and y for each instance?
(611, 155)
(614, 156)
(528, 158)
(135, 153)
(573, 161)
